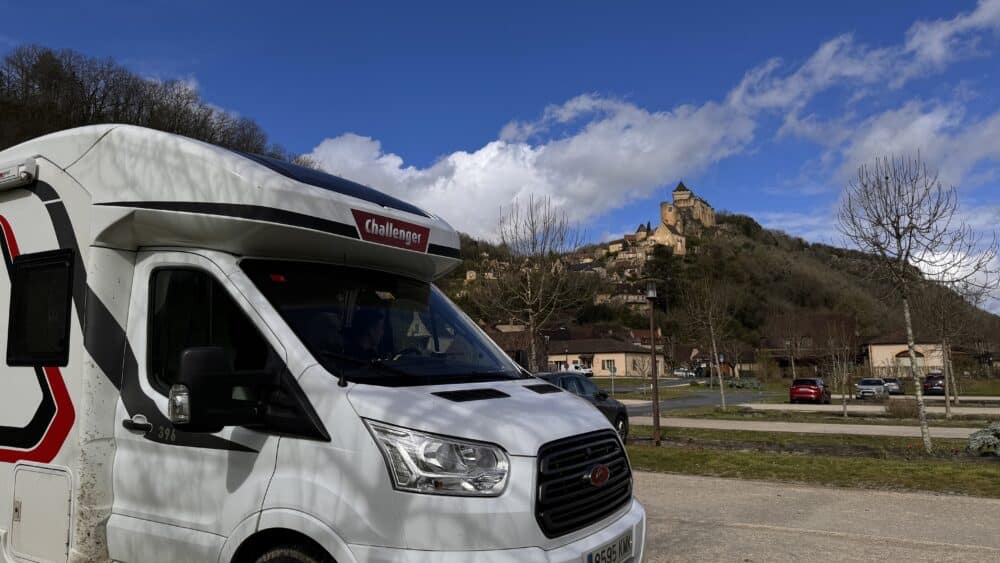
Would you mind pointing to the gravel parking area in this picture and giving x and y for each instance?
(711, 519)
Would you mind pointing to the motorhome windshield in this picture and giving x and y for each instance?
(378, 328)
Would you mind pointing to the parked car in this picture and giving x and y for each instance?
(893, 385)
(811, 389)
(870, 388)
(613, 410)
(934, 384)
(684, 373)
(581, 369)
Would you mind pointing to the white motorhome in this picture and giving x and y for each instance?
(213, 356)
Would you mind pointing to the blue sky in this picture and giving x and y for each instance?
(762, 108)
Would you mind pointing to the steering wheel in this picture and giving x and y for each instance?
(411, 351)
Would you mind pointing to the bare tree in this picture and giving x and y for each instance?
(642, 366)
(709, 315)
(842, 346)
(789, 331)
(898, 211)
(946, 309)
(530, 284)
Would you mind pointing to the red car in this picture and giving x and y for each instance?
(934, 384)
(812, 390)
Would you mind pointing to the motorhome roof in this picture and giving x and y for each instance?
(150, 188)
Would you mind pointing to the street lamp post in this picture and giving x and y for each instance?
(651, 296)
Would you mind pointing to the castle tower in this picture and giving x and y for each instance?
(682, 195)
(668, 214)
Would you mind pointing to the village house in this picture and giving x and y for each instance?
(890, 356)
(604, 355)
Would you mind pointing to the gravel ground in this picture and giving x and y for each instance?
(711, 519)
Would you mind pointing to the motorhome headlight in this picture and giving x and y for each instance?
(427, 463)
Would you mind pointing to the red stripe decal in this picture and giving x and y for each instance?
(47, 449)
(8, 235)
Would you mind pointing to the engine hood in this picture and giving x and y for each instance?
(520, 422)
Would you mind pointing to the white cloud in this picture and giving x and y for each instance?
(838, 62)
(945, 138)
(936, 43)
(842, 62)
(619, 153)
(594, 153)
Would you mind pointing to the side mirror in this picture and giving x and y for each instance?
(601, 396)
(210, 395)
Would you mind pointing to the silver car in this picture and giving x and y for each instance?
(893, 385)
(870, 388)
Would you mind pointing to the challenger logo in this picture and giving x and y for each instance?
(391, 232)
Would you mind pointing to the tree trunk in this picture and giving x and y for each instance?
(954, 384)
(718, 369)
(845, 387)
(532, 345)
(947, 372)
(791, 359)
(925, 432)
(656, 379)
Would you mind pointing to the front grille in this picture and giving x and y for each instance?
(566, 500)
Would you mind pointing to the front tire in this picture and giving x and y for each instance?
(294, 554)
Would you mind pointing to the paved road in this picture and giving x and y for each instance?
(696, 399)
(709, 519)
(804, 427)
(872, 409)
(969, 398)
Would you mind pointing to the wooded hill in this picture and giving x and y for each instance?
(778, 286)
(43, 90)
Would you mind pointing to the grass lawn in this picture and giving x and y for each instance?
(852, 418)
(978, 478)
(877, 446)
(979, 386)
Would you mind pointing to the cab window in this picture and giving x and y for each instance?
(190, 308)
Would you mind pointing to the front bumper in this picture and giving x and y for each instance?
(575, 552)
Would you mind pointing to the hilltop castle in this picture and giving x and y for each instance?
(687, 214)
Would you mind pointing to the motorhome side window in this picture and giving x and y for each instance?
(190, 308)
(40, 309)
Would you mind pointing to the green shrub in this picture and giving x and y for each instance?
(986, 441)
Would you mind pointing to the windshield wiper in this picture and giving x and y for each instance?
(377, 364)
